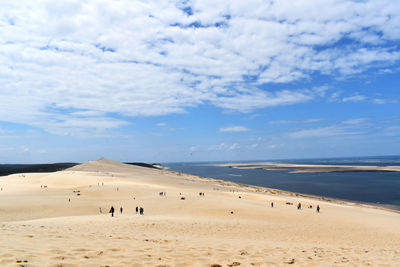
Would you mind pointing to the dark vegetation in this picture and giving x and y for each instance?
(7, 169)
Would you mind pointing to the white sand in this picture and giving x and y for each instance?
(40, 226)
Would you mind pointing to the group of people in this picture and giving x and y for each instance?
(298, 206)
(163, 194)
(140, 210)
(112, 210)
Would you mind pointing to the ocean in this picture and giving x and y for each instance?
(368, 187)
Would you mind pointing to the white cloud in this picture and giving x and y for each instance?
(393, 130)
(194, 148)
(311, 120)
(357, 121)
(221, 146)
(248, 101)
(234, 146)
(347, 127)
(89, 59)
(360, 98)
(354, 98)
(224, 147)
(234, 129)
(322, 132)
(381, 101)
(6, 132)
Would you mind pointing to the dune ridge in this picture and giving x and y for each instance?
(44, 222)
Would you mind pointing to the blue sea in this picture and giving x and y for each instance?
(368, 187)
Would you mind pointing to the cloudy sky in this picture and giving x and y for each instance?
(164, 81)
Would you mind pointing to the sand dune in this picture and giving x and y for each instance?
(44, 222)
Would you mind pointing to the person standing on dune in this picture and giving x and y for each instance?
(112, 211)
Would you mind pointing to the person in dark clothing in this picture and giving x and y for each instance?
(272, 204)
(317, 208)
(120, 209)
(137, 209)
(299, 206)
(141, 211)
(112, 211)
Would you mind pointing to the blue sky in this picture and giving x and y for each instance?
(165, 81)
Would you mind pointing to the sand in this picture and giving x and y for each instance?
(231, 225)
(310, 168)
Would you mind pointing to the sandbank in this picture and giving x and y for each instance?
(308, 168)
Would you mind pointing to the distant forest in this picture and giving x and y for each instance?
(7, 169)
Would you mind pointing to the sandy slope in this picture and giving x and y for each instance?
(40, 226)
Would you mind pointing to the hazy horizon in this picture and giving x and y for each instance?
(216, 161)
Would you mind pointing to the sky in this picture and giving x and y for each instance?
(175, 81)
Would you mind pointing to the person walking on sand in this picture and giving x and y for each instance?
(299, 206)
(112, 211)
(141, 211)
(100, 210)
(318, 208)
(120, 209)
(272, 204)
(137, 209)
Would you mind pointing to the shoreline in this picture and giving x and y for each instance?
(275, 191)
(266, 190)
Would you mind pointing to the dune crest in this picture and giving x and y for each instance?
(105, 165)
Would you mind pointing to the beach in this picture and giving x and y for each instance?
(54, 219)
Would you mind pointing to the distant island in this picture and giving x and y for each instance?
(309, 168)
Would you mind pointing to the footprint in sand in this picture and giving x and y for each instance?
(244, 252)
(59, 258)
(290, 262)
